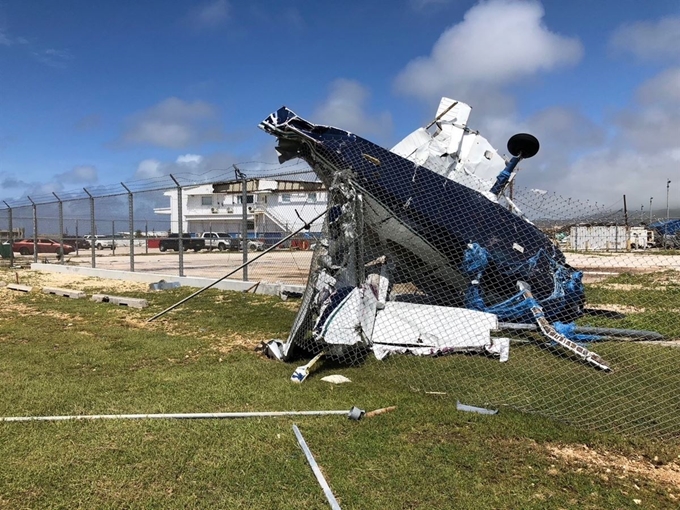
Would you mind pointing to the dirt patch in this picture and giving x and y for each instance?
(613, 464)
(70, 281)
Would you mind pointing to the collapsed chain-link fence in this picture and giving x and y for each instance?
(540, 303)
(523, 299)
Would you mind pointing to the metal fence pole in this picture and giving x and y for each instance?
(131, 219)
(61, 228)
(180, 226)
(77, 237)
(93, 229)
(146, 236)
(244, 219)
(113, 237)
(35, 229)
(10, 237)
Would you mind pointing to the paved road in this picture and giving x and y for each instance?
(283, 266)
(293, 266)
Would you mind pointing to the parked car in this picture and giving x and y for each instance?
(78, 242)
(101, 241)
(253, 245)
(188, 243)
(26, 247)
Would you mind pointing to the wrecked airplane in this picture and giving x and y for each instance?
(419, 256)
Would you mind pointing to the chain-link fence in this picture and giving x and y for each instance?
(536, 302)
(174, 225)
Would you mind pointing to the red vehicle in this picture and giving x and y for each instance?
(25, 247)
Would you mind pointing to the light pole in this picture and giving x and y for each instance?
(650, 209)
(668, 190)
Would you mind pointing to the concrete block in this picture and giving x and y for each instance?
(163, 285)
(20, 288)
(73, 294)
(120, 300)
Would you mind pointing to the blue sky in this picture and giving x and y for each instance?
(94, 93)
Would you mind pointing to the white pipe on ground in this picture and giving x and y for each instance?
(179, 416)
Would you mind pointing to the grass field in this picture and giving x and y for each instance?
(61, 357)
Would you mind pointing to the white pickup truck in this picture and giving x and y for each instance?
(220, 241)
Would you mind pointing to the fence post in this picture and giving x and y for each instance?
(93, 229)
(35, 229)
(180, 226)
(61, 228)
(131, 219)
(146, 235)
(10, 238)
(244, 219)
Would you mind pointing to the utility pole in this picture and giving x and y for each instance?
(668, 190)
(650, 209)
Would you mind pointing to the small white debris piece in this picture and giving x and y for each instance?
(336, 379)
(518, 247)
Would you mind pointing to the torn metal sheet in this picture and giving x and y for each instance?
(428, 330)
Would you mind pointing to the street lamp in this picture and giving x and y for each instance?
(668, 190)
(650, 209)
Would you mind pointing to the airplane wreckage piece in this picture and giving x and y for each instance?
(424, 216)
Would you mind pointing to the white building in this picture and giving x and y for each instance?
(271, 207)
(609, 238)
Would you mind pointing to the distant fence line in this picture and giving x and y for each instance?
(109, 210)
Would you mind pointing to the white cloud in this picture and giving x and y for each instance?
(189, 159)
(345, 108)
(664, 88)
(483, 53)
(5, 40)
(210, 14)
(148, 169)
(642, 151)
(173, 123)
(649, 40)
(85, 174)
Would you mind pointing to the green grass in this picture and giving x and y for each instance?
(60, 356)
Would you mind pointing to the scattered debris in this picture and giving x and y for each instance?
(473, 409)
(336, 379)
(73, 294)
(302, 372)
(315, 468)
(377, 412)
(163, 285)
(356, 414)
(120, 300)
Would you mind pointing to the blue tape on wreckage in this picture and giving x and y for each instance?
(568, 291)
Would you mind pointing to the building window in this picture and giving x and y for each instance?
(311, 198)
(207, 200)
(249, 199)
(285, 197)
